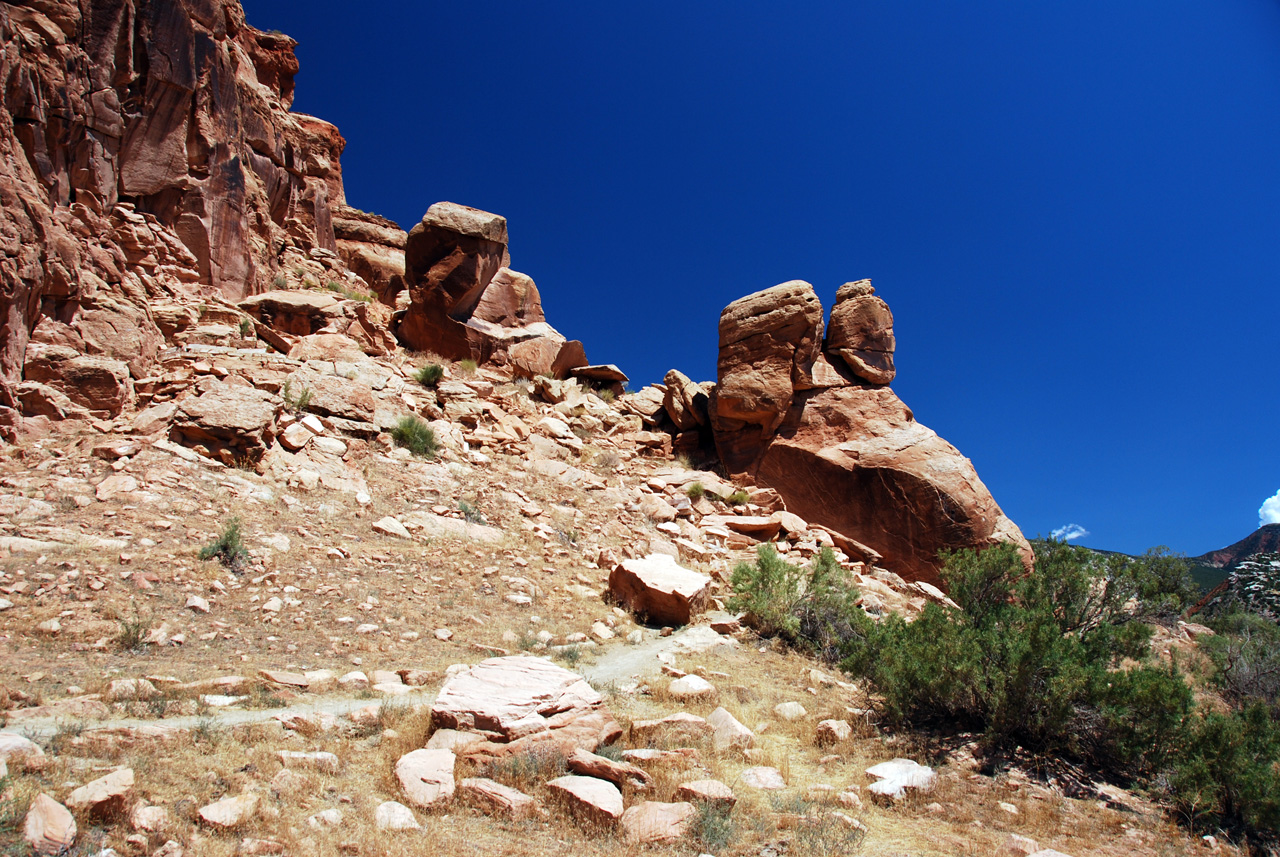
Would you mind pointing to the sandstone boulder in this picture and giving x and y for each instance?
(587, 799)
(231, 421)
(653, 822)
(895, 777)
(684, 401)
(391, 815)
(104, 797)
(300, 312)
(861, 332)
(856, 461)
(619, 773)
(519, 701)
(100, 384)
(728, 732)
(711, 792)
(230, 812)
(659, 589)
(48, 828)
(496, 799)
(427, 776)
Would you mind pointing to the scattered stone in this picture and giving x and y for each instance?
(496, 799)
(789, 711)
(764, 778)
(1020, 846)
(288, 679)
(325, 818)
(230, 812)
(619, 773)
(680, 728)
(49, 828)
(713, 792)
(589, 800)
(391, 815)
(898, 775)
(128, 689)
(389, 526)
(427, 776)
(659, 589)
(149, 818)
(318, 761)
(198, 604)
(104, 797)
(833, 732)
(19, 748)
(728, 732)
(691, 688)
(653, 822)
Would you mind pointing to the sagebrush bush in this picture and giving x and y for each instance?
(429, 375)
(1245, 654)
(416, 436)
(1032, 660)
(814, 609)
(228, 548)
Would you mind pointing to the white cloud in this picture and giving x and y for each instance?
(1269, 513)
(1072, 531)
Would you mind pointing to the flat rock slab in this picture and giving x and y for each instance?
(766, 779)
(691, 688)
(48, 828)
(713, 792)
(659, 589)
(620, 773)
(680, 728)
(729, 732)
(514, 697)
(588, 799)
(427, 776)
(898, 775)
(495, 798)
(654, 822)
(230, 812)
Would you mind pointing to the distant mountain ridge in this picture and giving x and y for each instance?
(1265, 539)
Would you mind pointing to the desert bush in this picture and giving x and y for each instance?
(246, 328)
(713, 828)
(1225, 774)
(132, 636)
(416, 436)
(737, 498)
(695, 491)
(814, 609)
(429, 375)
(1245, 655)
(1032, 660)
(295, 404)
(468, 367)
(228, 548)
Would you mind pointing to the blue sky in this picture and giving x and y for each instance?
(1073, 209)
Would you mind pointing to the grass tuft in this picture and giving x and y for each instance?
(413, 434)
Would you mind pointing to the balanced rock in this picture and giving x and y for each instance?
(653, 822)
(589, 800)
(520, 701)
(861, 332)
(659, 589)
(48, 828)
(619, 773)
(427, 776)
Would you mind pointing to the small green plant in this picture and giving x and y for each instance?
(606, 395)
(468, 367)
(413, 434)
(132, 636)
(228, 548)
(65, 734)
(295, 404)
(207, 731)
(737, 498)
(429, 375)
(349, 294)
(538, 764)
(713, 828)
(280, 282)
(696, 491)
(570, 654)
(470, 513)
(246, 328)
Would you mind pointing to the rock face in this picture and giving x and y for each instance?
(813, 421)
(517, 702)
(659, 589)
(146, 148)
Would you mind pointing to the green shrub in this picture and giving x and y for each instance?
(1225, 774)
(737, 498)
(1245, 654)
(1031, 659)
(133, 632)
(228, 548)
(468, 367)
(416, 436)
(246, 328)
(295, 404)
(696, 491)
(813, 609)
(429, 375)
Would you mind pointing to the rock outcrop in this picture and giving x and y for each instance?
(465, 303)
(814, 421)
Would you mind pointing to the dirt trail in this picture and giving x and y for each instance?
(616, 663)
